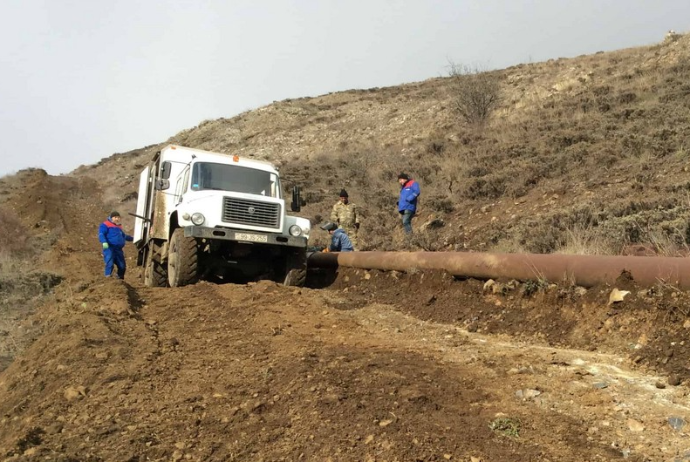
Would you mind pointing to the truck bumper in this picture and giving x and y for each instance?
(251, 237)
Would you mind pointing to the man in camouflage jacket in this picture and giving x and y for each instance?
(346, 215)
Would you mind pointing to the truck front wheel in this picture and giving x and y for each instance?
(183, 260)
(295, 277)
(296, 268)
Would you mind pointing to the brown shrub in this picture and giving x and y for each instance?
(489, 187)
(476, 93)
(13, 234)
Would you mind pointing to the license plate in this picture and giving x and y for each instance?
(251, 237)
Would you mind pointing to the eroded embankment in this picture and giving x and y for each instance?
(649, 326)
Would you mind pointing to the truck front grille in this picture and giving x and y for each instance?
(253, 213)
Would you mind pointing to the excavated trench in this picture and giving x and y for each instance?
(649, 325)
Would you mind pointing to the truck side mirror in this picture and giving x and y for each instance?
(296, 204)
(162, 185)
(166, 168)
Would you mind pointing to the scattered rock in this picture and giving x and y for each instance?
(512, 284)
(73, 393)
(674, 380)
(527, 394)
(677, 423)
(617, 296)
(580, 291)
(635, 426)
(434, 223)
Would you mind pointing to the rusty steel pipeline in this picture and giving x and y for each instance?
(582, 270)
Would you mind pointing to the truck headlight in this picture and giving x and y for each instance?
(198, 218)
(295, 230)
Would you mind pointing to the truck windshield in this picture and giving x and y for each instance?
(225, 177)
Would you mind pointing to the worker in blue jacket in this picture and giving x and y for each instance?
(113, 239)
(340, 242)
(407, 204)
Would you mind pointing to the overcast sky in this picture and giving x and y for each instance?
(83, 79)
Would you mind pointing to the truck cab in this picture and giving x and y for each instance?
(209, 215)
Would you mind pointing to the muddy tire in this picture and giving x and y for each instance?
(296, 277)
(154, 272)
(183, 260)
(296, 268)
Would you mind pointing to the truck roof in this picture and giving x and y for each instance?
(183, 153)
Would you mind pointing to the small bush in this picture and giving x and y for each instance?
(506, 426)
(490, 187)
(13, 234)
(532, 286)
(440, 204)
(476, 93)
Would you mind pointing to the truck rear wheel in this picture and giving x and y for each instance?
(183, 260)
(154, 272)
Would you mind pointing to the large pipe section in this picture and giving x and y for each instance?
(582, 270)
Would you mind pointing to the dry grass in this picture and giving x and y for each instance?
(13, 234)
(585, 241)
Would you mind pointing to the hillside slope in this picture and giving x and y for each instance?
(585, 154)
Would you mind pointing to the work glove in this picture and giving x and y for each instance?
(105, 245)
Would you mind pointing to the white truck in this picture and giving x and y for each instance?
(206, 215)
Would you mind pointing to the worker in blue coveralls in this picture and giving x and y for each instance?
(340, 242)
(407, 204)
(113, 239)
